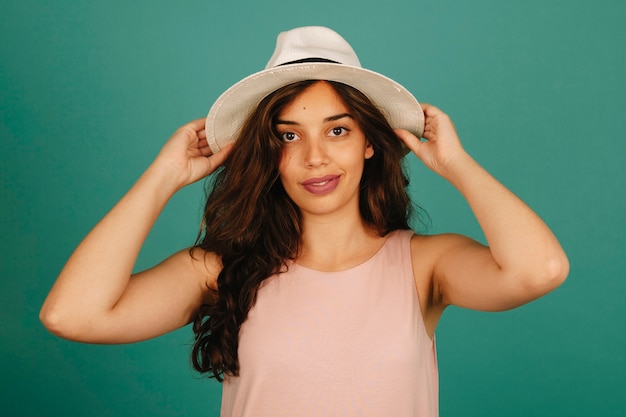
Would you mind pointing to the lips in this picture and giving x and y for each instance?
(321, 185)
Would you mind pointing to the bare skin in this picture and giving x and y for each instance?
(334, 236)
(97, 299)
(523, 260)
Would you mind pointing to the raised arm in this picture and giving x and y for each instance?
(95, 299)
(523, 259)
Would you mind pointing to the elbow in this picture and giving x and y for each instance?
(557, 270)
(52, 321)
(548, 276)
(57, 324)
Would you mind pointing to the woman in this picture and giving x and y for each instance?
(308, 292)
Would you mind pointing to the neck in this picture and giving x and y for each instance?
(335, 242)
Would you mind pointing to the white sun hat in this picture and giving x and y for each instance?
(310, 53)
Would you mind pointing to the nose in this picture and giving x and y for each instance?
(316, 153)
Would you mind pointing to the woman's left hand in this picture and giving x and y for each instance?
(442, 145)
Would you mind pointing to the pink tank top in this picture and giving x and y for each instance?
(349, 343)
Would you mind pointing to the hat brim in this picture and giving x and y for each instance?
(231, 109)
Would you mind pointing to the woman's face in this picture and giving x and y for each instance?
(323, 153)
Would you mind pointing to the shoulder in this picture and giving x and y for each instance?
(431, 247)
(428, 254)
(198, 267)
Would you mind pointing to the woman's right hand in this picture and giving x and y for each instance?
(186, 156)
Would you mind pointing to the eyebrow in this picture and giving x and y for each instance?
(327, 119)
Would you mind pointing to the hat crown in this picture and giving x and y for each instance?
(312, 42)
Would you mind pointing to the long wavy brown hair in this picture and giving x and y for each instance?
(253, 225)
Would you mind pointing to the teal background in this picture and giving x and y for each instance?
(89, 91)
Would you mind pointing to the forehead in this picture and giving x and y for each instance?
(319, 97)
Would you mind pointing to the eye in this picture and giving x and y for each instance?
(288, 136)
(339, 131)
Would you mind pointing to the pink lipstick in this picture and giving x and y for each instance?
(321, 185)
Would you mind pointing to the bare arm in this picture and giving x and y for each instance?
(523, 259)
(96, 299)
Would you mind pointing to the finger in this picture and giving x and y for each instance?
(428, 127)
(204, 148)
(425, 106)
(202, 142)
(218, 158)
(191, 130)
(430, 110)
(197, 125)
(409, 139)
